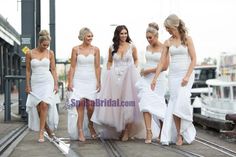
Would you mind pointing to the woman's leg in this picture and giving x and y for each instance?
(43, 111)
(125, 136)
(159, 137)
(80, 120)
(147, 120)
(50, 133)
(90, 109)
(179, 136)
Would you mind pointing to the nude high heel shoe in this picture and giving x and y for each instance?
(92, 131)
(81, 139)
(179, 140)
(125, 136)
(41, 136)
(148, 139)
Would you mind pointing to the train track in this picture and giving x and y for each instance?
(113, 150)
(110, 146)
(10, 141)
(178, 150)
(217, 147)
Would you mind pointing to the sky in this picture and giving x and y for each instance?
(211, 23)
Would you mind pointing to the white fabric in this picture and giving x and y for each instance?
(179, 103)
(42, 85)
(84, 80)
(152, 101)
(84, 86)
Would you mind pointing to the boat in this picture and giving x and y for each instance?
(202, 74)
(220, 99)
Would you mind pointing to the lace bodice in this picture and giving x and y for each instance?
(126, 60)
(120, 64)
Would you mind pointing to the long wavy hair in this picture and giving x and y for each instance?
(116, 38)
(174, 21)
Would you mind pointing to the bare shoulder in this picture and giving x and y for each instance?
(75, 48)
(167, 43)
(28, 54)
(51, 53)
(189, 40)
(96, 49)
(133, 46)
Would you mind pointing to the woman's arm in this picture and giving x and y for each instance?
(160, 66)
(97, 68)
(135, 55)
(53, 70)
(109, 62)
(145, 72)
(72, 68)
(192, 54)
(28, 71)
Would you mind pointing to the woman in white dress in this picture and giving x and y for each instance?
(152, 103)
(177, 126)
(117, 106)
(84, 79)
(41, 86)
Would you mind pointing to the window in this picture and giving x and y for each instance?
(234, 92)
(226, 92)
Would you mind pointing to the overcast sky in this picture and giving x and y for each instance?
(211, 23)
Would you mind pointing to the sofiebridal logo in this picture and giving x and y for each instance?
(102, 103)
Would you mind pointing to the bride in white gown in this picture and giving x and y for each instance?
(118, 109)
(41, 87)
(177, 126)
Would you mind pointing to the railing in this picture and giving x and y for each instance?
(7, 96)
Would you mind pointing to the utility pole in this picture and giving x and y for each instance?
(52, 26)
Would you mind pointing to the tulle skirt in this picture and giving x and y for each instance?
(117, 104)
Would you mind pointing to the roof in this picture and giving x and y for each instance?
(218, 82)
(7, 32)
(205, 66)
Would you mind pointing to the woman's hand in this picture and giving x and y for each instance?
(153, 84)
(55, 88)
(27, 89)
(185, 81)
(98, 86)
(70, 87)
(142, 72)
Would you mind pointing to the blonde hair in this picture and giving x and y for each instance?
(44, 35)
(153, 28)
(83, 31)
(173, 21)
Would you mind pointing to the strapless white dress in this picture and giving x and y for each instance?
(42, 85)
(179, 103)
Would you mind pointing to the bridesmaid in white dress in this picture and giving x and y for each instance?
(177, 126)
(152, 103)
(118, 102)
(84, 79)
(41, 87)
